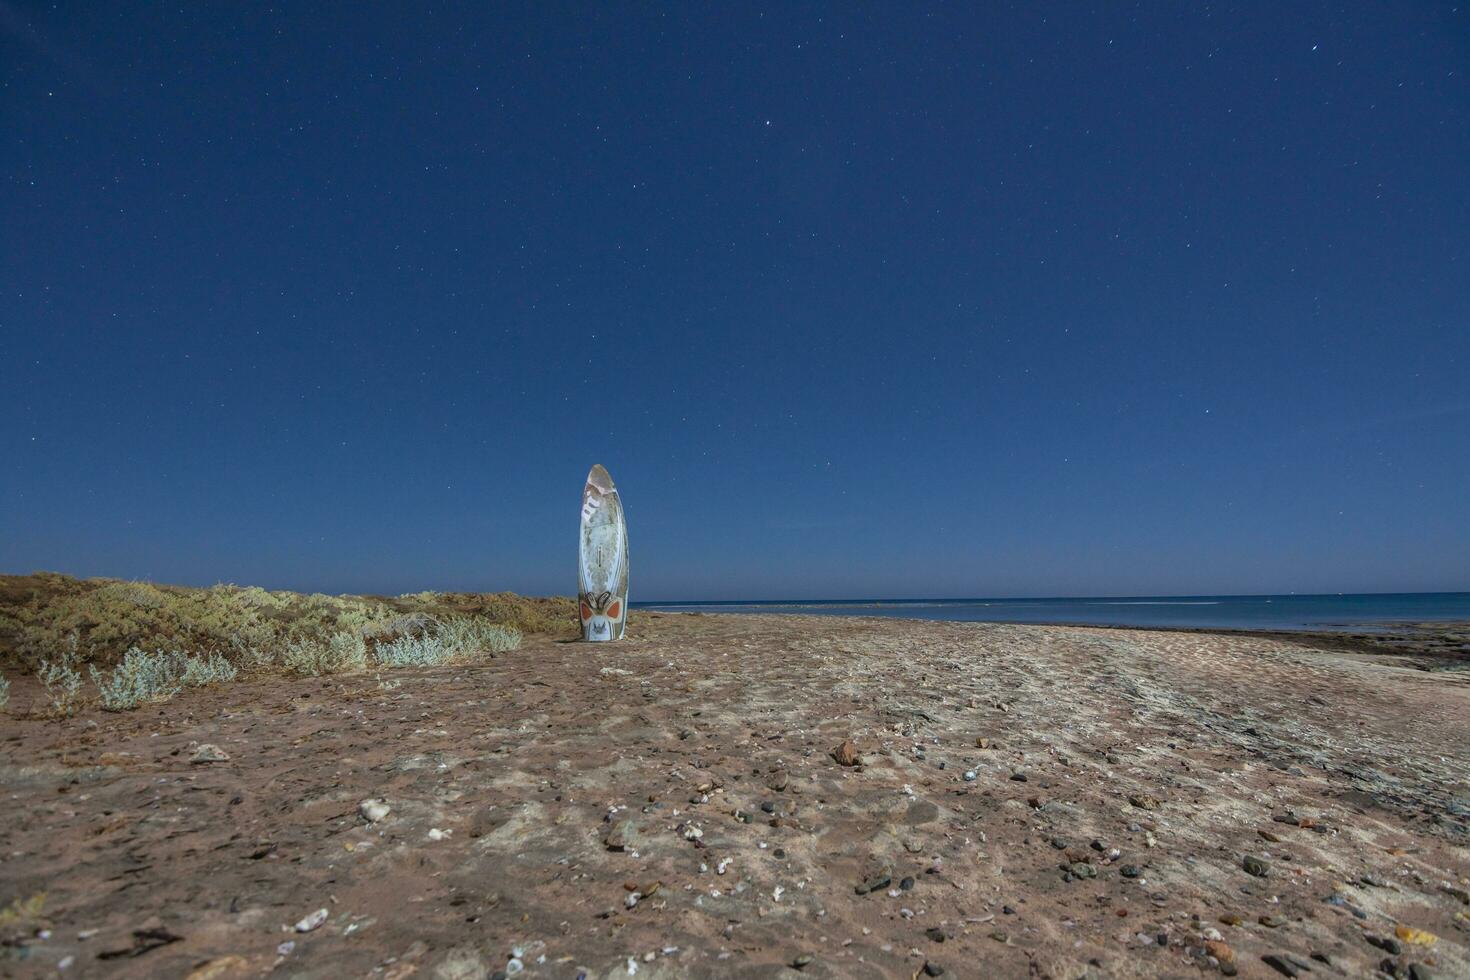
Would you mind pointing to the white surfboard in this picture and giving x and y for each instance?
(602, 560)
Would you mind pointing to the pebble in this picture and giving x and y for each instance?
(970, 775)
(846, 754)
(312, 921)
(934, 934)
(1018, 776)
(933, 969)
(906, 884)
(373, 810)
(1280, 964)
(1130, 871)
(1082, 869)
(620, 835)
(1272, 921)
(1419, 971)
(1253, 865)
(1144, 801)
(803, 961)
(875, 882)
(1220, 950)
(209, 752)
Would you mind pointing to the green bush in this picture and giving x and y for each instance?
(141, 678)
(63, 682)
(316, 657)
(208, 669)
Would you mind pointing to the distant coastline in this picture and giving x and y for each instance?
(1344, 613)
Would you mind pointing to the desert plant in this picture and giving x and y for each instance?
(467, 635)
(141, 678)
(423, 650)
(210, 668)
(315, 657)
(62, 680)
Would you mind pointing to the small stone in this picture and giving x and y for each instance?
(1000, 935)
(1144, 801)
(1060, 843)
(312, 921)
(846, 754)
(1415, 937)
(1280, 964)
(970, 775)
(906, 884)
(1266, 835)
(373, 810)
(982, 743)
(803, 961)
(1082, 869)
(1253, 865)
(1272, 921)
(874, 882)
(1098, 845)
(209, 752)
(1018, 776)
(778, 781)
(1130, 871)
(934, 934)
(933, 969)
(1007, 910)
(620, 836)
(768, 807)
(1220, 950)
(1418, 971)
(1230, 919)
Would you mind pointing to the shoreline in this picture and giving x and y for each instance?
(760, 796)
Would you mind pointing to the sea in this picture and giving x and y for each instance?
(1370, 612)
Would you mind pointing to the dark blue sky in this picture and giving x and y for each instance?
(869, 300)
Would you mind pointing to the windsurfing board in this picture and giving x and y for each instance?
(602, 596)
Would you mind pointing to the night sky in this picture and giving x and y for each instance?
(870, 300)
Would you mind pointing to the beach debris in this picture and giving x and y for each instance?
(846, 754)
(313, 921)
(373, 810)
(209, 752)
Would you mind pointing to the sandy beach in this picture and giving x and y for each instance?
(760, 796)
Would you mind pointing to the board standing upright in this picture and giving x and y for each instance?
(602, 597)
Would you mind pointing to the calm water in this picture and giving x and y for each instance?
(1277, 612)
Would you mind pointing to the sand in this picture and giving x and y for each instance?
(1126, 779)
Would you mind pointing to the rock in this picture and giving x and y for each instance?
(312, 922)
(1018, 776)
(209, 752)
(874, 882)
(982, 743)
(621, 835)
(1418, 971)
(1143, 801)
(1220, 950)
(1098, 845)
(373, 810)
(1415, 937)
(1385, 943)
(1458, 894)
(1082, 869)
(1280, 964)
(1253, 865)
(934, 934)
(1272, 921)
(803, 961)
(1230, 919)
(906, 884)
(846, 754)
(219, 968)
(932, 969)
(970, 775)
(1130, 871)
(778, 781)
